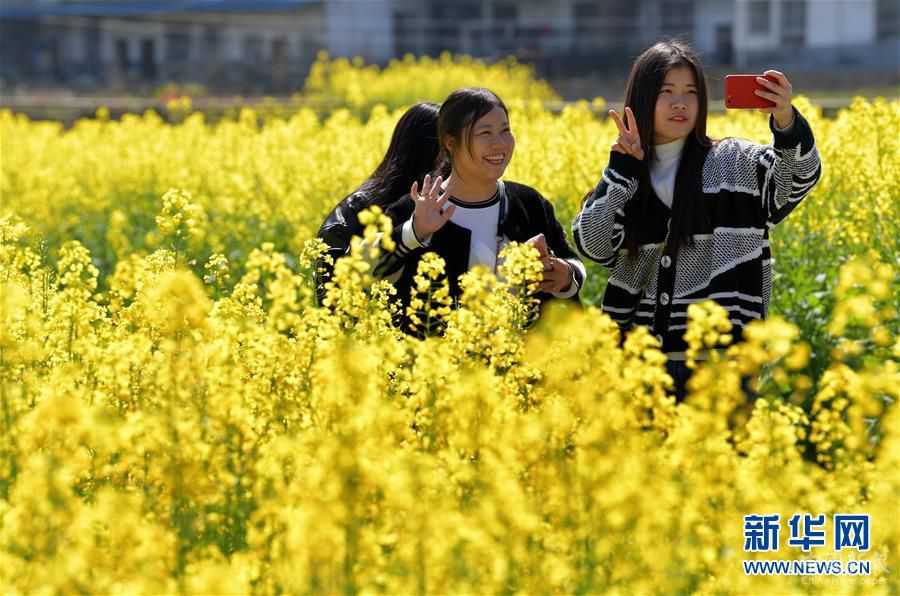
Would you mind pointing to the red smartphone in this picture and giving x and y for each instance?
(739, 92)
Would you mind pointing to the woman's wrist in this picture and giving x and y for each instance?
(784, 120)
(571, 270)
(420, 234)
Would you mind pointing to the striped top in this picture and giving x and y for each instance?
(746, 190)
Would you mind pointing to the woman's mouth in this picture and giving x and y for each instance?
(496, 159)
(678, 119)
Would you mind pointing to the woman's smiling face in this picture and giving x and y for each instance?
(490, 147)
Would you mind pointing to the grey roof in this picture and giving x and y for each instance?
(33, 10)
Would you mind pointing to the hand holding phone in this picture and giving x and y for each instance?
(770, 93)
(740, 92)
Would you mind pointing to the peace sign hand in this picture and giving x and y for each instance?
(430, 215)
(629, 141)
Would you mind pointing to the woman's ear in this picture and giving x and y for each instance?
(448, 144)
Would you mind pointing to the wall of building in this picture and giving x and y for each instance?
(539, 26)
(558, 13)
(830, 26)
(360, 28)
(840, 22)
(264, 45)
(278, 47)
(709, 15)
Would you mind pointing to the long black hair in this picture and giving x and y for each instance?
(641, 92)
(458, 115)
(412, 153)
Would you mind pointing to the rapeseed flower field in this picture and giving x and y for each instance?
(178, 417)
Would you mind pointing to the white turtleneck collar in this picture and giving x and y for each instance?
(663, 168)
(669, 151)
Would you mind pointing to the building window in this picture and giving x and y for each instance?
(793, 23)
(620, 13)
(724, 43)
(504, 11)
(465, 11)
(253, 49)
(760, 12)
(601, 23)
(122, 61)
(148, 59)
(469, 11)
(586, 10)
(587, 23)
(178, 47)
(677, 18)
(888, 19)
(212, 42)
(408, 35)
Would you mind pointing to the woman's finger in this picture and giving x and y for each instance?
(618, 120)
(552, 285)
(633, 132)
(435, 189)
(442, 199)
(782, 93)
(540, 243)
(636, 150)
(447, 213)
(782, 79)
(630, 121)
(625, 148)
(770, 96)
(768, 84)
(551, 269)
(784, 85)
(414, 191)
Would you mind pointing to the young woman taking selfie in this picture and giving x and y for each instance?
(679, 218)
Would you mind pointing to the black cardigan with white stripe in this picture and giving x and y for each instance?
(747, 189)
(524, 214)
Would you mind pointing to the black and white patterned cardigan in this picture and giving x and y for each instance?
(747, 189)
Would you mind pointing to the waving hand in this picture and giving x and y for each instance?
(430, 214)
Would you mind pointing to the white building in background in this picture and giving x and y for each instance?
(354, 28)
(260, 45)
(814, 33)
(269, 44)
(819, 32)
(602, 30)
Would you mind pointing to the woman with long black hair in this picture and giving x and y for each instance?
(411, 155)
(679, 218)
(469, 215)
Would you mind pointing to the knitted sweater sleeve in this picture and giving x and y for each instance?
(599, 228)
(780, 175)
